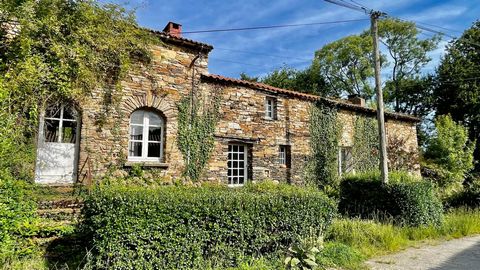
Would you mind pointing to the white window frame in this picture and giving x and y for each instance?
(282, 155)
(270, 108)
(60, 125)
(145, 138)
(244, 168)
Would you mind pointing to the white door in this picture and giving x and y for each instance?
(57, 146)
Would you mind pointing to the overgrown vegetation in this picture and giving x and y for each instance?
(197, 119)
(404, 199)
(325, 130)
(365, 152)
(449, 155)
(61, 51)
(17, 216)
(180, 227)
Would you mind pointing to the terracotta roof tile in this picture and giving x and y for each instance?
(331, 101)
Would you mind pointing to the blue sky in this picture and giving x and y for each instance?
(293, 46)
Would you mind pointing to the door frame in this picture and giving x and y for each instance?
(41, 139)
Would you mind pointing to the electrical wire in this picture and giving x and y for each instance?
(264, 54)
(269, 26)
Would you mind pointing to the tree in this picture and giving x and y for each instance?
(308, 80)
(409, 55)
(346, 65)
(62, 49)
(457, 91)
(449, 153)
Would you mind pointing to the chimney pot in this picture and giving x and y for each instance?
(356, 99)
(173, 29)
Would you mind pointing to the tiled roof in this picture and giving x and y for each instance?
(182, 41)
(331, 101)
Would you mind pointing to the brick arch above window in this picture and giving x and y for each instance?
(159, 103)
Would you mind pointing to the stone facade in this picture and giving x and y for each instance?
(180, 64)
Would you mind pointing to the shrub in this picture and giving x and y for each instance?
(17, 213)
(408, 201)
(448, 155)
(185, 227)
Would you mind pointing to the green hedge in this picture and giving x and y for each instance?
(407, 201)
(185, 228)
(17, 213)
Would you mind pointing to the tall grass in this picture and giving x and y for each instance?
(373, 238)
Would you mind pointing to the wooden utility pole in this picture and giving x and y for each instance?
(374, 15)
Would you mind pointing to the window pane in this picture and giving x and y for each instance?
(153, 149)
(69, 113)
(51, 130)
(136, 132)
(155, 134)
(69, 131)
(155, 119)
(53, 111)
(137, 117)
(135, 149)
(241, 180)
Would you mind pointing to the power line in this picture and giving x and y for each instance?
(270, 26)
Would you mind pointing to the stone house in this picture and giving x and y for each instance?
(263, 131)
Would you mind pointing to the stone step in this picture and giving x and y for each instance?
(59, 214)
(61, 203)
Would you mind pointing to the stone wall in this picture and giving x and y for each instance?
(160, 86)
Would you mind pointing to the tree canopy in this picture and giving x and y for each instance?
(457, 90)
(59, 50)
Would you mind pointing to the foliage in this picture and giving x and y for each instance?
(365, 152)
(304, 255)
(337, 255)
(181, 227)
(62, 50)
(17, 214)
(346, 65)
(449, 154)
(197, 120)
(308, 80)
(457, 90)
(409, 202)
(325, 130)
(409, 55)
(400, 156)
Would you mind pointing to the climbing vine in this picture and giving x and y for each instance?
(197, 119)
(61, 50)
(325, 131)
(365, 152)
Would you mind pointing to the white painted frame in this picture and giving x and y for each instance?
(282, 154)
(145, 140)
(231, 169)
(270, 107)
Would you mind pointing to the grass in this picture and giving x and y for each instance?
(372, 238)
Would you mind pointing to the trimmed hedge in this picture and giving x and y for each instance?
(187, 228)
(410, 202)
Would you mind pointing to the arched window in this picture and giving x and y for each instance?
(146, 136)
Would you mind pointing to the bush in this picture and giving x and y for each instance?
(185, 227)
(17, 213)
(408, 201)
(448, 155)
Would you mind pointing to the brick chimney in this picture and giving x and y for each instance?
(356, 99)
(173, 29)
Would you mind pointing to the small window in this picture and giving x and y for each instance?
(345, 160)
(146, 136)
(284, 155)
(270, 108)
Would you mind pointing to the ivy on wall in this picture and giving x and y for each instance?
(325, 131)
(197, 119)
(365, 152)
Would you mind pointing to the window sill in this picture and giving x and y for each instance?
(269, 119)
(155, 164)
